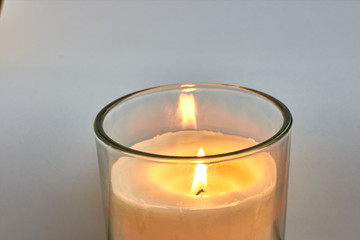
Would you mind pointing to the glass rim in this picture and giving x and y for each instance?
(283, 131)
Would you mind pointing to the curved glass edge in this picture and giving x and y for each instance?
(282, 133)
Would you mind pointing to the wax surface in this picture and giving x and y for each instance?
(237, 202)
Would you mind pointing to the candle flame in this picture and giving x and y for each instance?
(201, 153)
(186, 110)
(199, 183)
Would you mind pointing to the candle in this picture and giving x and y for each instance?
(228, 200)
(159, 204)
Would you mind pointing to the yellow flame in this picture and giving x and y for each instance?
(186, 110)
(199, 183)
(201, 153)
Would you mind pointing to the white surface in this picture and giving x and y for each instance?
(62, 61)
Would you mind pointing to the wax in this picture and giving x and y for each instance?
(237, 203)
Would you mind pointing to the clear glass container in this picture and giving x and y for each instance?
(194, 161)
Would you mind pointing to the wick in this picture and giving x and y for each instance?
(200, 191)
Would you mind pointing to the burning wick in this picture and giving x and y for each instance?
(199, 183)
(200, 191)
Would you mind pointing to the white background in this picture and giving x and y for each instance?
(62, 61)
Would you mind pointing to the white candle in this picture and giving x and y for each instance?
(237, 202)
